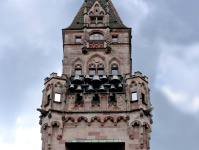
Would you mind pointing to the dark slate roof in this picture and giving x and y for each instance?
(115, 21)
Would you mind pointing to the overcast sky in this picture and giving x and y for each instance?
(165, 47)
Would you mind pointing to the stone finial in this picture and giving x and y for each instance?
(138, 74)
(145, 78)
(46, 79)
(53, 75)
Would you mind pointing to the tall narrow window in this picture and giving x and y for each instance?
(143, 98)
(78, 70)
(114, 69)
(100, 69)
(48, 99)
(92, 69)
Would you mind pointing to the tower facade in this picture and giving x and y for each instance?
(96, 103)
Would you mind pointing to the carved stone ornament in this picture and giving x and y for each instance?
(49, 115)
(40, 122)
(84, 50)
(63, 118)
(59, 137)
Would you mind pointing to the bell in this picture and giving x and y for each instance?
(90, 89)
(101, 89)
(72, 87)
(104, 78)
(120, 87)
(112, 89)
(115, 79)
(96, 80)
(79, 89)
(77, 79)
(87, 79)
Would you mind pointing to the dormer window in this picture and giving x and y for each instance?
(96, 36)
(95, 20)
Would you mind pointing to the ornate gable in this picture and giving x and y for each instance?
(106, 7)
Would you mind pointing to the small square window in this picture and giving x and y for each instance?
(114, 39)
(57, 97)
(134, 97)
(78, 40)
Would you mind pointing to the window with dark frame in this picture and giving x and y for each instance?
(114, 39)
(78, 40)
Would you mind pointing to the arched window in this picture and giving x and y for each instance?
(96, 36)
(99, 69)
(78, 69)
(114, 69)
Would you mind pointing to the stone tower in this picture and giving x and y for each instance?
(96, 103)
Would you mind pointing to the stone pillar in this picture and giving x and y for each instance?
(103, 102)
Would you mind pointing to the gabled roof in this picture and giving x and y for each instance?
(115, 20)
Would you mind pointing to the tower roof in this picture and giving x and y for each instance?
(114, 22)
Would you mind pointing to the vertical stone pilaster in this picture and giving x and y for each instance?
(87, 101)
(103, 102)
